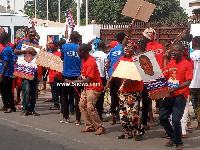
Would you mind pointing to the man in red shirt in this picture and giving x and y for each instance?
(179, 91)
(93, 88)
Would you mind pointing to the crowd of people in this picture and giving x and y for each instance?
(88, 74)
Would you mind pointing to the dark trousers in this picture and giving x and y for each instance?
(66, 91)
(56, 92)
(114, 87)
(145, 106)
(7, 95)
(174, 106)
(100, 101)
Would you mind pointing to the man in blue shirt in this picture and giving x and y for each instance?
(113, 57)
(71, 71)
(6, 71)
(29, 87)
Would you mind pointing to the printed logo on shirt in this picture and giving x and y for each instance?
(98, 59)
(116, 53)
(173, 82)
(72, 53)
(157, 51)
(198, 60)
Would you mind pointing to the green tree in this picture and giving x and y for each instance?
(109, 11)
(104, 11)
(53, 9)
(169, 10)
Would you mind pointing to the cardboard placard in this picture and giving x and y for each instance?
(127, 70)
(152, 75)
(145, 9)
(49, 60)
(26, 66)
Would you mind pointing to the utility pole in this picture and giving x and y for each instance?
(59, 11)
(35, 8)
(78, 13)
(86, 12)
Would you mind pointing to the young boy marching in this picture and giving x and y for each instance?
(179, 91)
(93, 88)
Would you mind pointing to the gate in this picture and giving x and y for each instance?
(165, 31)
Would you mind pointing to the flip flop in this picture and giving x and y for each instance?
(48, 100)
(54, 108)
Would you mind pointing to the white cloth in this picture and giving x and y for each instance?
(195, 56)
(101, 59)
(184, 119)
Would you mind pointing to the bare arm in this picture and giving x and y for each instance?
(5, 67)
(182, 86)
(108, 65)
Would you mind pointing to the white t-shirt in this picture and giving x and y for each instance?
(101, 59)
(195, 56)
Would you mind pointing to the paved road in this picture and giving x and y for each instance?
(46, 133)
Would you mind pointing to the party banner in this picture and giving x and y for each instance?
(151, 74)
(26, 66)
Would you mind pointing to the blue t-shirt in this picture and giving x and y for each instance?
(71, 62)
(7, 55)
(19, 46)
(114, 56)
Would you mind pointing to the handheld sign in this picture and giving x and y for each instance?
(26, 66)
(127, 70)
(49, 60)
(145, 9)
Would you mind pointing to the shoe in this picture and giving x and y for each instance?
(99, 131)
(20, 107)
(77, 123)
(112, 122)
(65, 120)
(88, 130)
(146, 127)
(183, 136)
(121, 136)
(9, 110)
(179, 147)
(24, 113)
(169, 144)
(104, 120)
(34, 113)
(54, 108)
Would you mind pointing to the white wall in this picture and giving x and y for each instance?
(88, 32)
(185, 5)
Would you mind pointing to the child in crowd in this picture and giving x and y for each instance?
(93, 88)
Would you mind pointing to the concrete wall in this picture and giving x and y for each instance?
(88, 32)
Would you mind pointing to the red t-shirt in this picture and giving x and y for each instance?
(53, 73)
(158, 51)
(130, 87)
(178, 73)
(90, 69)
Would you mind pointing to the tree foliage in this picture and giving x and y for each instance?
(109, 11)
(169, 10)
(41, 9)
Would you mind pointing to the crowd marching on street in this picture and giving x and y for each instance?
(88, 74)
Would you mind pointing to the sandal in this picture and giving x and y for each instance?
(112, 122)
(54, 108)
(48, 100)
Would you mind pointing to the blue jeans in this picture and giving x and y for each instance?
(175, 106)
(29, 93)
